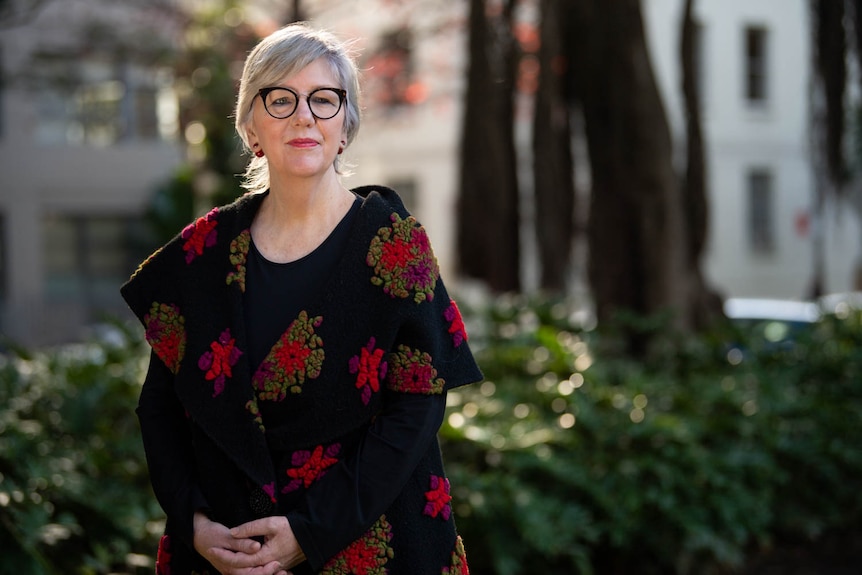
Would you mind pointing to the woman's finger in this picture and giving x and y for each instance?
(249, 546)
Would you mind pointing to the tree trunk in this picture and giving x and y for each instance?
(706, 304)
(637, 243)
(552, 155)
(488, 237)
(830, 50)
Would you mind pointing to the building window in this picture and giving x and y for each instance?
(761, 208)
(97, 114)
(390, 80)
(756, 55)
(87, 258)
(86, 104)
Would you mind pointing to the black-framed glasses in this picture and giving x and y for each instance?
(281, 103)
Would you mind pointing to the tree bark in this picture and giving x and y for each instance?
(637, 241)
(553, 170)
(831, 47)
(488, 236)
(706, 304)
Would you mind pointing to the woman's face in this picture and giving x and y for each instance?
(300, 145)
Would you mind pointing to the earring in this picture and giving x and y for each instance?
(259, 153)
(341, 147)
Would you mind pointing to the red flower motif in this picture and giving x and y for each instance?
(238, 256)
(298, 355)
(438, 498)
(365, 556)
(166, 334)
(292, 355)
(459, 560)
(163, 556)
(219, 361)
(403, 261)
(370, 367)
(395, 254)
(411, 371)
(310, 466)
(200, 234)
(456, 323)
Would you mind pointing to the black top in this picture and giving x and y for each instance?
(275, 293)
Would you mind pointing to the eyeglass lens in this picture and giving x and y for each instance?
(282, 102)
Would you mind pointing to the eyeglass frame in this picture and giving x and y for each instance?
(264, 92)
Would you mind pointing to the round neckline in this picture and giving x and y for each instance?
(342, 222)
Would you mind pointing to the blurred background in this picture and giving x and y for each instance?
(650, 209)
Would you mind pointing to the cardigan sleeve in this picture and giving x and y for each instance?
(431, 352)
(429, 356)
(354, 493)
(168, 448)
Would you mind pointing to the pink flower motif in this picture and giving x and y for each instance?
(370, 368)
(199, 235)
(219, 361)
(456, 323)
(269, 489)
(438, 498)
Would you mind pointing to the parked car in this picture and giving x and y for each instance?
(773, 321)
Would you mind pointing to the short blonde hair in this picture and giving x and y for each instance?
(283, 53)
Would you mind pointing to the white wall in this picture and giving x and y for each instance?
(740, 137)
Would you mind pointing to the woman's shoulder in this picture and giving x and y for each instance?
(209, 233)
(381, 198)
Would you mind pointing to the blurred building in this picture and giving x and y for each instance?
(755, 80)
(86, 131)
(756, 87)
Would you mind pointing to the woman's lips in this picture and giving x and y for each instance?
(302, 143)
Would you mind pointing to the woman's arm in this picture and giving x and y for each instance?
(168, 447)
(356, 491)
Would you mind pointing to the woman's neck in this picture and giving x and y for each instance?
(298, 215)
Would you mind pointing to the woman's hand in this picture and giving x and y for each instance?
(230, 554)
(279, 552)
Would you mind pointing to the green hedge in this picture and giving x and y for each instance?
(569, 458)
(74, 492)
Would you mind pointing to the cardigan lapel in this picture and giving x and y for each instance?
(214, 383)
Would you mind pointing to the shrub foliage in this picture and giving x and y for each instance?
(568, 458)
(573, 459)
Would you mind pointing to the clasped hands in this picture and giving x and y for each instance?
(234, 552)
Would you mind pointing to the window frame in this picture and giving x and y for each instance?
(755, 87)
(760, 205)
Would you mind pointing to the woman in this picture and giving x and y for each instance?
(302, 346)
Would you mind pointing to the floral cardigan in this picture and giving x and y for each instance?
(384, 324)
